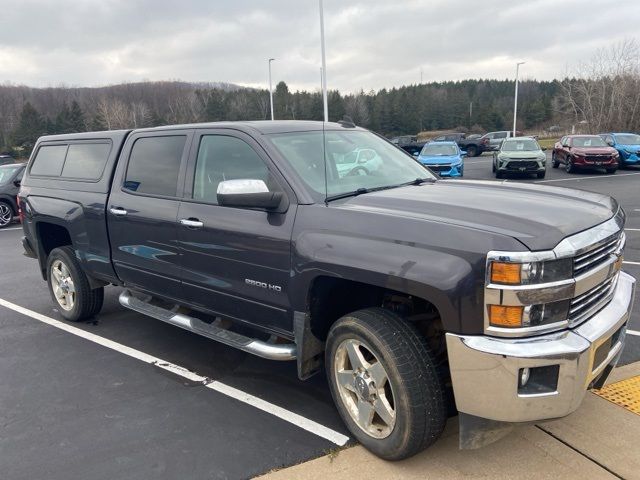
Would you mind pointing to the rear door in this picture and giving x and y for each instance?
(236, 261)
(142, 211)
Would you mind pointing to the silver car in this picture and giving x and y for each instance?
(519, 155)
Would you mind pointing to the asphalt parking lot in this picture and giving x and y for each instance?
(136, 398)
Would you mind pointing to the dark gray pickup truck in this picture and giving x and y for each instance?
(408, 290)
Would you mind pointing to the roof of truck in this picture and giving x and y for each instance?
(261, 126)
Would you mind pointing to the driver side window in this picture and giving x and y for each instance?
(221, 158)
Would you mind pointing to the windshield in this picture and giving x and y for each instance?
(524, 145)
(628, 139)
(355, 160)
(6, 173)
(434, 150)
(588, 142)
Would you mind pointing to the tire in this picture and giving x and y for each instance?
(6, 214)
(541, 174)
(611, 170)
(411, 394)
(554, 161)
(472, 151)
(499, 174)
(69, 286)
(569, 167)
(493, 167)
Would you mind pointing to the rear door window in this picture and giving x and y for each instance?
(49, 160)
(154, 165)
(86, 160)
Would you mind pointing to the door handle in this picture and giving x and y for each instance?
(118, 211)
(191, 223)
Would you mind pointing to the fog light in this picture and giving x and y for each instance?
(524, 376)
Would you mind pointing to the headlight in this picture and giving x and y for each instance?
(531, 273)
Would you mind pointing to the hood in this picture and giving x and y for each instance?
(626, 146)
(594, 150)
(529, 154)
(538, 216)
(438, 159)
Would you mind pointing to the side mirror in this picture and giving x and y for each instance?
(416, 154)
(463, 153)
(544, 149)
(17, 183)
(610, 143)
(247, 193)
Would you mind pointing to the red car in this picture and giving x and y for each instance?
(584, 151)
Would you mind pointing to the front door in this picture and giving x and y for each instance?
(142, 211)
(236, 261)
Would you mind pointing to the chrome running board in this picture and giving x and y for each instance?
(271, 351)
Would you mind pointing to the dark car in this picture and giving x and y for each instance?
(6, 159)
(584, 151)
(406, 290)
(471, 145)
(10, 177)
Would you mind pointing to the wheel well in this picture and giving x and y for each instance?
(51, 236)
(330, 298)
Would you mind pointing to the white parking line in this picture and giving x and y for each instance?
(630, 263)
(9, 229)
(282, 413)
(633, 332)
(632, 229)
(587, 178)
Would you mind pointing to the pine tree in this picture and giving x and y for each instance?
(31, 125)
(76, 118)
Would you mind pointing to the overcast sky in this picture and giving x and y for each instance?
(371, 44)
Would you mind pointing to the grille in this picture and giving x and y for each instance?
(587, 304)
(597, 158)
(596, 255)
(440, 168)
(518, 165)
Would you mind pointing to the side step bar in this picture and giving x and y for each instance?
(271, 351)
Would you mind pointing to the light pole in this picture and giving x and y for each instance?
(515, 98)
(324, 65)
(270, 89)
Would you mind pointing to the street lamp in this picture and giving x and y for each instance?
(270, 88)
(515, 99)
(324, 66)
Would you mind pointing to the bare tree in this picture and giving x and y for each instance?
(605, 91)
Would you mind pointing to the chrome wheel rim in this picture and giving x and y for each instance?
(62, 285)
(364, 388)
(6, 215)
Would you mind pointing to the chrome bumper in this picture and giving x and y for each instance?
(485, 370)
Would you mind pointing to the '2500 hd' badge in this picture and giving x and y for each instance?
(268, 286)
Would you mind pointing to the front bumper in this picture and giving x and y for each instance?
(455, 170)
(521, 166)
(485, 370)
(629, 158)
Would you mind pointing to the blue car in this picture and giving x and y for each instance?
(444, 158)
(627, 144)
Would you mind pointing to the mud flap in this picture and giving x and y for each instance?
(477, 432)
(310, 348)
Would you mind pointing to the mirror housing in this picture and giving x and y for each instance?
(463, 153)
(416, 154)
(610, 143)
(17, 183)
(248, 193)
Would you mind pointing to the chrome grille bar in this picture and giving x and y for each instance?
(590, 302)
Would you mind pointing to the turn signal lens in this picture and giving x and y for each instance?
(505, 316)
(505, 273)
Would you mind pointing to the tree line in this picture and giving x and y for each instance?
(604, 94)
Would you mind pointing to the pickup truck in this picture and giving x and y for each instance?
(407, 290)
(408, 143)
(472, 146)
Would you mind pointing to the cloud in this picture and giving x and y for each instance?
(371, 44)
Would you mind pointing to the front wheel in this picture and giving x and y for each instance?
(569, 167)
(472, 151)
(69, 286)
(384, 382)
(554, 161)
(541, 174)
(6, 214)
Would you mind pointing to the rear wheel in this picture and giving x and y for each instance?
(69, 286)
(472, 151)
(6, 214)
(384, 382)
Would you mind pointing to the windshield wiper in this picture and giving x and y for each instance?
(360, 191)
